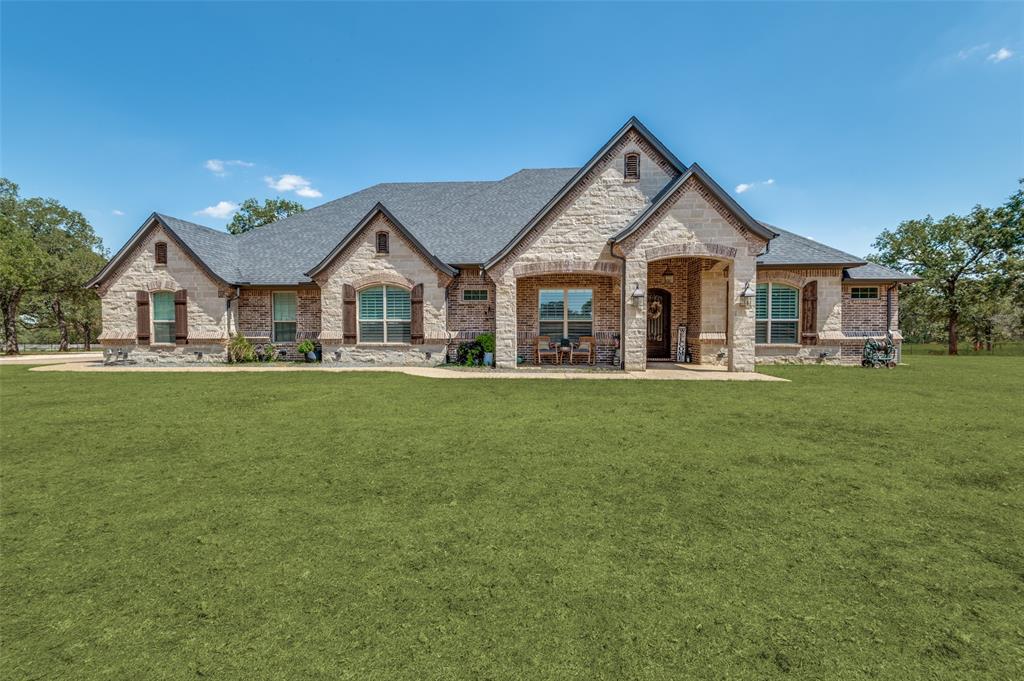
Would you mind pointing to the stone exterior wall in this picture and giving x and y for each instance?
(256, 317)
(208, 317)
(360, 266)
(607, 301)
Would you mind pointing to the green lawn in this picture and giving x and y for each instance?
(298, 525)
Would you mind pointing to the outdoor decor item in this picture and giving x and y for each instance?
(877, 354)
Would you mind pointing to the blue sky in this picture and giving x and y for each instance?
(844, 118)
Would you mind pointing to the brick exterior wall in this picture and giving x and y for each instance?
(256, 318)
(468, 319)
(866, 316)
(607, 299)
(694, 268)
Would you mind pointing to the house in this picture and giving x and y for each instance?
(643, 253)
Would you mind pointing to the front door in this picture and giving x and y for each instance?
(659, 329)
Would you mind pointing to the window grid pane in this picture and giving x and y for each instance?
(398, 303)
(285, 304)
(552, 304)
(783, 332)
(762, 301)
(371, 303)
(760, 332)
(784, 302)
(163, 306)
(371, 332)
(284, 332)
(399, 332)
(163, 332)
(581, 304)
(553, 329)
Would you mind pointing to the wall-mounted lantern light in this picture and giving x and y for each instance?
(667, 276)
(637, 296)
(748, 295)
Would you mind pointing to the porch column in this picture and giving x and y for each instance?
(505, 331)
(741, 317)
(635, 323)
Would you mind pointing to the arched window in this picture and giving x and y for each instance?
(382, 242)
(778, 314)
(160, 252)
(163, 317)
(385, 315)
(632, 169)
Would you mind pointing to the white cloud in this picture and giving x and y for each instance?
(970, 51)
(1002, 54)
(221, 211)
(219, 167)
(117, 212)
(747, 186)
(293, 183)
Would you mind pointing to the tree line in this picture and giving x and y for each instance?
(972, 274)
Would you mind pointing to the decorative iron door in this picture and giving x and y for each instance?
(659, 329)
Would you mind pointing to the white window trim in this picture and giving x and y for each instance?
(384, 312)
(768, 321)
(862, 288)
(486, 298)
(273, 322)
(565, 310)
(153, 320)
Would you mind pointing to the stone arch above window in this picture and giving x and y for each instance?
(381, 278)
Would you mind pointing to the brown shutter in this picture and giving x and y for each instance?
(348, 318)
(180, 317)
(809, 314)
(142, 317)
(417, 314)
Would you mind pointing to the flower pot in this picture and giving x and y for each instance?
(488, 359)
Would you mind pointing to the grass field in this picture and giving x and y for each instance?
(850, 524)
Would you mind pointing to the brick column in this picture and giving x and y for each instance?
(741, 317)
(505, 321)
(635, 325)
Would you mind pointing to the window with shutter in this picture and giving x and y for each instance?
(777, 314)
(632, 170)
(160, 253)
(385, 315)
(163, 317)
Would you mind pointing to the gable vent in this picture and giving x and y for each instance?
(382, 242)
(632, 171)
(160, 252)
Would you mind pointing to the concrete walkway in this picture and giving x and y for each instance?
(663, 372)
(52, 358)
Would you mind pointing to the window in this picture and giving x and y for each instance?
(160, 252)
(778, 314)
(864, 292)
(566, 313)
(632, 169)
(163, 317)
(285, 304)
(471, 295)
(385, 315)
(382, 242)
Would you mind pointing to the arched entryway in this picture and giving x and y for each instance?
(659, 324)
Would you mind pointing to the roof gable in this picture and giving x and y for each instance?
(378, 210)
(633, 125)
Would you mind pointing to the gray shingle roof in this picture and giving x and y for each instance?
(459, 222)
(792, 249)
(872, 271)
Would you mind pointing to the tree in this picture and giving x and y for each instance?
(48, 253)
(251, 214)
(958, 258)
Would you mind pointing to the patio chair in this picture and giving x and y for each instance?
(544, 349)
(587, 347)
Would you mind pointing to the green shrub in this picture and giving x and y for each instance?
(486, 341)
(240, 349)
(306, 346)
(470, 353)
(269, 352)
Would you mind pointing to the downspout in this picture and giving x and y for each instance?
(622, 306)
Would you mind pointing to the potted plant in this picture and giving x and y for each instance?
(486, 341)
(306, 349)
